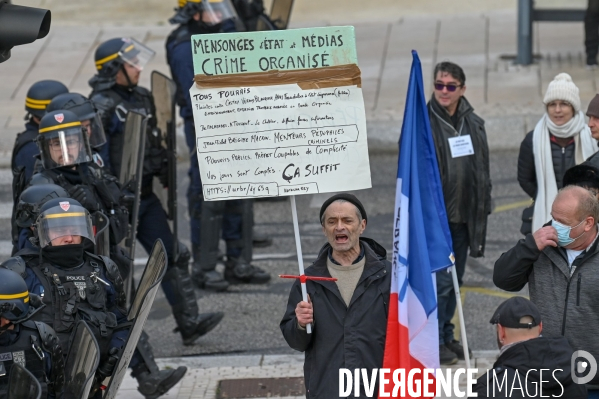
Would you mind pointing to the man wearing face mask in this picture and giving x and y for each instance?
(560, 264)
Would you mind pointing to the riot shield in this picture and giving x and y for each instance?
(81, 362)
(102, 233)
(164, 91)
(280, 13)
(22, 384)
(138, 313)
(134, 140)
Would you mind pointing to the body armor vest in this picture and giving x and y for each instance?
(76, 294)
(27, 351)
(112, 103)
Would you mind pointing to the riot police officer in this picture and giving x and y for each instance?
(75, 284)
(89, 118)
(208, 218)
(34, 345)
(115, 92)
(22, 161)
(27, 210)
(66, 160)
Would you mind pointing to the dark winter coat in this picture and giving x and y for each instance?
(466, 180)
(343, 336)
(568, 302)
(563, 159)
(520, 366)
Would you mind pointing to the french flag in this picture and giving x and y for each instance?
(421, 242)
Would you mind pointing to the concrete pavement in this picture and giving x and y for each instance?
(209, 375)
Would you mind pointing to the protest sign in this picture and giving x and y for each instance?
(279, 113)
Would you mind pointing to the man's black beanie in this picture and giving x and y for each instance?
(347, 197)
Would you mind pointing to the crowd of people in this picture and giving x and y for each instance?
(557, 259)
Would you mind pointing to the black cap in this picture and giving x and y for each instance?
(583, 175)
(509, 313)
(347, 197)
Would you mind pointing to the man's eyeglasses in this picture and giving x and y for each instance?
(71, 143)
(450, 87)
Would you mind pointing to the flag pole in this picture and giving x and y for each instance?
(458, 298)
(300, 260)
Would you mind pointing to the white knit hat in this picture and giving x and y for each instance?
(562, 88)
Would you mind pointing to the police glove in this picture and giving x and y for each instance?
(85, 196)
(80, 193)
(163, 175)
(127, 200)
(107, 367)
(35, 300)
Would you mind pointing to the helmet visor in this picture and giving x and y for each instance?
(136, 54)
(15, 309)
(95, 131)
(64, 147)
(62, 221)
(216, 11)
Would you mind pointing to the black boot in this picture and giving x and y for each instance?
(238, 271)
(190, 323)
(153, 382)
(210, 280)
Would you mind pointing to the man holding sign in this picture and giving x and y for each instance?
(349, 316)
(463, 157)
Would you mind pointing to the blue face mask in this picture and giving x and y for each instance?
(563, 233)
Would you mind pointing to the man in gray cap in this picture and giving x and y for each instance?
(349, 315)
(528, 365)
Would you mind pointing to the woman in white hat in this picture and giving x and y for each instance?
(560, 140)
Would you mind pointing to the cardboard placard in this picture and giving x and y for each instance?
(277, 133)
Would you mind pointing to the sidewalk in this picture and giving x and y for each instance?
(206, 374)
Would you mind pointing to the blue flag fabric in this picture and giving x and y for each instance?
(429, 246)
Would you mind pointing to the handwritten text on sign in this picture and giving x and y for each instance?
(232, 53)
(280, 140)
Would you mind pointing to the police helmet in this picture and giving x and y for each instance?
(40, 94)
(14, 296)
(212, 12)
(87, 113)
(32, 198)
(112, 54)
(61, 217)
(62, 140)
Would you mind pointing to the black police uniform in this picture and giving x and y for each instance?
(75, 292)
(114, 102)
(35, 346)
(234, 218)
